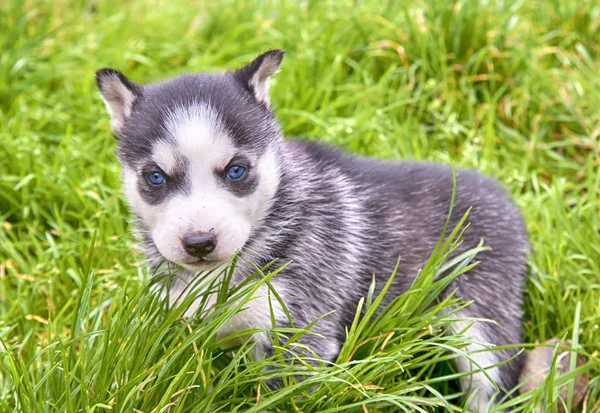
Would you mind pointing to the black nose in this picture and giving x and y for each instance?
(199, 244)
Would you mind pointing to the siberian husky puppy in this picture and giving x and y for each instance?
(208, 174)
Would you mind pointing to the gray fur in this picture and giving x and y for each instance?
(340, 218)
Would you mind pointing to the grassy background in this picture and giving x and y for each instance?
(509, 88)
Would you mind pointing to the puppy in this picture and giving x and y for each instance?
(208, 174)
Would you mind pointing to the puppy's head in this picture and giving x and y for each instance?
(199, 157)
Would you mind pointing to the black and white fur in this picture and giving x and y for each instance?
(338, 218)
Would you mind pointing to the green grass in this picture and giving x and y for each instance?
(511, 89)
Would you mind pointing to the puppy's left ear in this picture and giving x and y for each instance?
(255, 75)
(119, 94)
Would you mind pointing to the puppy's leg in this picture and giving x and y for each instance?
(480, 388)
(259, 313)
(256, 313)
(477, 386)
(313, 348)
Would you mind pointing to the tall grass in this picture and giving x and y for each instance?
(509, 88)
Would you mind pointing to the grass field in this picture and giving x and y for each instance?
(509, 88)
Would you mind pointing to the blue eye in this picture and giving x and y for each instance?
(156, 178)
(235, 172)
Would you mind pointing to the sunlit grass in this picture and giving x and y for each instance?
(511, 89)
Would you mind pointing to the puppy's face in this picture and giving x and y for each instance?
(199, 158)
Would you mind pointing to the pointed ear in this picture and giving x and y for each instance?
(255, 76)
(118, 94)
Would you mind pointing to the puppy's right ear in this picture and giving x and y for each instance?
(118, 94)
(255, 75)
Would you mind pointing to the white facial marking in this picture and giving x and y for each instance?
(206, 205)
(130, 189)
(199, 136)
(164, 157)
